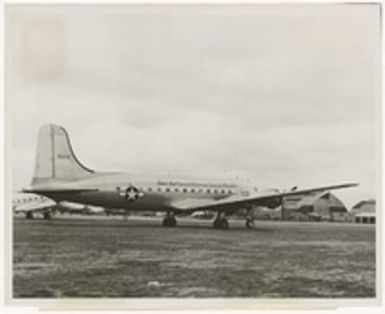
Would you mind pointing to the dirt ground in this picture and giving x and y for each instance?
(94, 257)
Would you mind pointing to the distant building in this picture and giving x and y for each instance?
(264, 213)
(364, 212)
(203, 214)
(316, 206)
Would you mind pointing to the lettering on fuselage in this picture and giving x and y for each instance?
(196, 184)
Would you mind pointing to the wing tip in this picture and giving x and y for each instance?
(350, 184)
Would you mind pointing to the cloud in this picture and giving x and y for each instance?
(283, 96)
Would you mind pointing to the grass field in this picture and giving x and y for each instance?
(139, 258)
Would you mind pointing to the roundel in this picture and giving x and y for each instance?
(132, 193)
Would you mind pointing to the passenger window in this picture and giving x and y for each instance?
(185, 190)
(167, 190)
(215, 191)
(149, 189)
(223, 191)
(208, 191)
(176, 190)
(192, 191)
(159, 190)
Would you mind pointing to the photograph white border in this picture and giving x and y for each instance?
(191, 304)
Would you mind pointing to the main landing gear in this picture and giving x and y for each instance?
(169, 220)
(220, 221)
(249, 220)
(249, 223)
(47, 216)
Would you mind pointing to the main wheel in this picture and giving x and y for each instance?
(249, 223)
(169, 222)
(47, 216)
(29, 215)
(223, 224)
(172, 222)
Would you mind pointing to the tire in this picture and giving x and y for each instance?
(172, 222)
(223, 224)
(249, 224)
(169, 222)
(47, 216)
(165, 222)
(29, 215)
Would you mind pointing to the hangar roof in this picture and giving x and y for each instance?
(324, 200)
(367, 206)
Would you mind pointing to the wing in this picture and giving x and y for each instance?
(234, 202)
(190, 203)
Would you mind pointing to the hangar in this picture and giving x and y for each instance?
(364, 212)
(318, 206)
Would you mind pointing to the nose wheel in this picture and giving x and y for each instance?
(169, 220)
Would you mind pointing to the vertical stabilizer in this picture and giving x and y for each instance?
(55, 158)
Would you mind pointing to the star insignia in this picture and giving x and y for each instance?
(132, 193)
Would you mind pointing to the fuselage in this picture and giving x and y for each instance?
(115, 190)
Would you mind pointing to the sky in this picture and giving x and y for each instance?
(278, 95)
